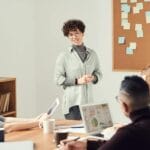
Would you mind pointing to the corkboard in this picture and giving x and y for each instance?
(141, 56)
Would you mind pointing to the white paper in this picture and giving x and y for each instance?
(123, 1)
(136, 10)
(147, 15)
(124, 21)
(132, 45)
(19, 145)
(138, 27)
(129, 51)
(146, 0)
(139, 6)
(124, 15)
(126, 26)
(133, 1)
(139, 33)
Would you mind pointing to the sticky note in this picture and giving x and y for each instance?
(129, 51)
(126, 26)
(139, 6)
(125, 8)
(124, 21)
(138, 27)
(136, 10)
(133, 1)
(124, 15)
(123, 1)
(147, 15)
(139, 33)
(146, 0)
(132, 45)
(121, 40)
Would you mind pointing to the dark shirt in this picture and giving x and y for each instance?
(135, 136)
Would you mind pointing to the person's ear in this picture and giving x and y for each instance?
(126, 108)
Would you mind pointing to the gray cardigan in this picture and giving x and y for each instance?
(69, 67)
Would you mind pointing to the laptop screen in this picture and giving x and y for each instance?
(96, 117)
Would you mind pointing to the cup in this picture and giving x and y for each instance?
(60, 135)
(1, 134)
(48, 126)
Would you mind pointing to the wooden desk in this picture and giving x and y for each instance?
(42, 141)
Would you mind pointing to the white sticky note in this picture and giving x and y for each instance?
(124, 15)
(129, 51)
(139, 6)
(138, 27)
(121, 40)
(124, 21)
(136, 10)
(146, 0)
(132, 45)
(147, 15)
(139, 33)
(133, 1)
(123, 1)
(125, 8)
(126, 26)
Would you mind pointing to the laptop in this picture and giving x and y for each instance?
(96, 118)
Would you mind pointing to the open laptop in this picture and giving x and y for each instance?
(96, 117)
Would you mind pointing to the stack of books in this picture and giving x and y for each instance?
(4, 102)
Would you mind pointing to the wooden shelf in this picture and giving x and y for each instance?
(8, 85)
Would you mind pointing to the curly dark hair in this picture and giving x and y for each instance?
(73, 25)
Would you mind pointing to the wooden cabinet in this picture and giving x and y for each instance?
(8, 96)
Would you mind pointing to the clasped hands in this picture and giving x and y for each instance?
(86, 79)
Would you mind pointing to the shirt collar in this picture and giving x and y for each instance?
(139, 114)
(70, 48)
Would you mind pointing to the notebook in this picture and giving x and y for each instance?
(19, 145)
(96, 117)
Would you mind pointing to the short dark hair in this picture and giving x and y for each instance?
(137, 89)
(73, 25)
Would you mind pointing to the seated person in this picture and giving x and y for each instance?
(134, 98)
(13, 124)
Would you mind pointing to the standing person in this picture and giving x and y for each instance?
(76, 70)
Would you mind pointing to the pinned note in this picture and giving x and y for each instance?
(147, 14)
(121, 40)
(124, 15)
(123, 1)
(125, 8)
(139, 6)
(133, 1)
(132, 45)
(139, 33)
(129, 51)
(136, 10)
(124, 21)
(126, 26)
(138, 27)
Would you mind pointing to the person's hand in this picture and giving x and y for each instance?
(82, 80)
(89, 78)
(41, 118)
(73, 145)
(86, 79)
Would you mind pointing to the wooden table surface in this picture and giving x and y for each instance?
(41, 141)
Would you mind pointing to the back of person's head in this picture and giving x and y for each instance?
(137, 90)
(73, 25)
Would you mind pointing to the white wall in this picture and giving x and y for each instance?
(17, 58)
(31, 39)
